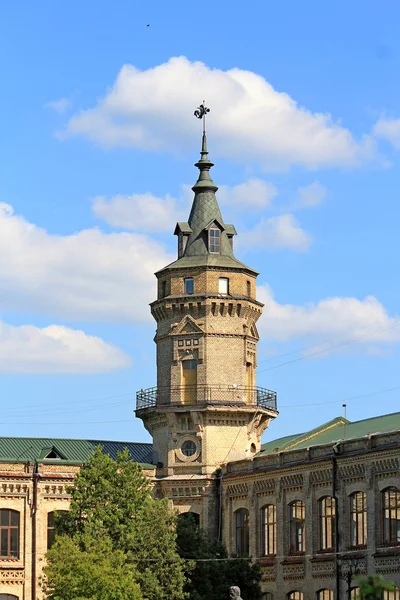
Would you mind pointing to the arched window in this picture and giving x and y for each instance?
(214, 240)
(268, 530)
(295, 595)
(325, 594)
(354, 593)
(391, 595)
(391, 516)
(242, 532)
(326, 516)
(358, 519)
(297, 527)
(51, 527)
(8, 597)
(9, 533)
(267, 596)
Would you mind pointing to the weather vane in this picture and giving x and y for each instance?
(201, 112)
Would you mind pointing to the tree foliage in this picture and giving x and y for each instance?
(373, 586)
(213, 571)
(116, 542)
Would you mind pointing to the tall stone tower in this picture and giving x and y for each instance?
(206, 409)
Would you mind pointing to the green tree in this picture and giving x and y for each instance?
(373, 586)
(116, 542)
(213, 571)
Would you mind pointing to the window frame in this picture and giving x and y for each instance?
(268, 529)
(185, 282)
(358, 535)
(391, 594)
(226, 281)
(387, 539)
(242, 532)
(321, 594)
(214, 240)
(295, 595)
(297, 534)
(10, 529)
(326, 524)
(8, 597)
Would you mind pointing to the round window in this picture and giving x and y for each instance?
(188, 448)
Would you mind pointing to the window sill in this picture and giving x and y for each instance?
(267, 560)
(321, 556)
(387, 551)
(293, 559)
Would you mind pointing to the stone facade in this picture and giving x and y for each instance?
(369, 465)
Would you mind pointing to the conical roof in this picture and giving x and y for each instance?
(205, 214)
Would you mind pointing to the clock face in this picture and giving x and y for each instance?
(188, 448)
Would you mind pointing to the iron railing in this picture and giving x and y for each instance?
(205, 395)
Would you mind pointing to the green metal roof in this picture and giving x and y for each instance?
(333, 431)
(72, 451)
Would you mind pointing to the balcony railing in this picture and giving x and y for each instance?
(206, 395)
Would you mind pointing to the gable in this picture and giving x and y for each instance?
(186, 326)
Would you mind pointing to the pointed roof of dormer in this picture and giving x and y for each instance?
(205, 214)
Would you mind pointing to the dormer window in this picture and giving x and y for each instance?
(214, 240)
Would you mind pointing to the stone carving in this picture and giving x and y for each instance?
(234, 593)
(8, 576)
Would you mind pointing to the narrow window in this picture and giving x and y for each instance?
(391, 516)
(51, 527)
(223, 285)
(248, 285)
(9, 533)
(267, 596)
(180, 245)
(326, 510)
(354, 594)
(391, 594)
(242, 532)
(295, 595)
(189, 381)
(189, 285)
(325, 594)
(297, 527)
(214, 240)
(163, 289)
(358, 519)
(268, 530)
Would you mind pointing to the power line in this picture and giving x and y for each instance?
(345, 343)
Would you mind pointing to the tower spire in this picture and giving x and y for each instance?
(204, 181)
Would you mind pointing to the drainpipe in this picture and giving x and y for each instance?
(35, 479)
(218, 475)
(336, 451)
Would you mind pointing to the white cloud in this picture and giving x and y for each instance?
(85, 275)
(56, 349)
(60, 106)
(140, 212)
(311, 195)
(389, 130)
(278, 232)
(253, 194)
(366, 319)
(250, 120)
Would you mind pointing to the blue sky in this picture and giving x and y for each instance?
(98, 145)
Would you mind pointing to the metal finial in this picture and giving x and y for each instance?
(201, 112)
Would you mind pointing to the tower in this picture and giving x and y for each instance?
(206, 409)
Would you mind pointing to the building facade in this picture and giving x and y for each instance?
(314, 508)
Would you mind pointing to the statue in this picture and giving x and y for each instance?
(234, 593)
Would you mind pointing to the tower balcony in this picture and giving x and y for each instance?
(205, 395)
